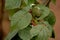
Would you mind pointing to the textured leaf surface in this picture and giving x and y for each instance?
(19, 20)
(42, 31)
(35, 30)
(25, 33)
(11, 4)
(43, 35)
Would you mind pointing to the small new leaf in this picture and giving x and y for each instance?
(44, 11)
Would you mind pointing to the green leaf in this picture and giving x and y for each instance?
(19, 21)
(25, 33)
(11, 4)
(48, 26)
(44, 11)
(43, 35)
(43, 31)
(51, 18)
(35, 30)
